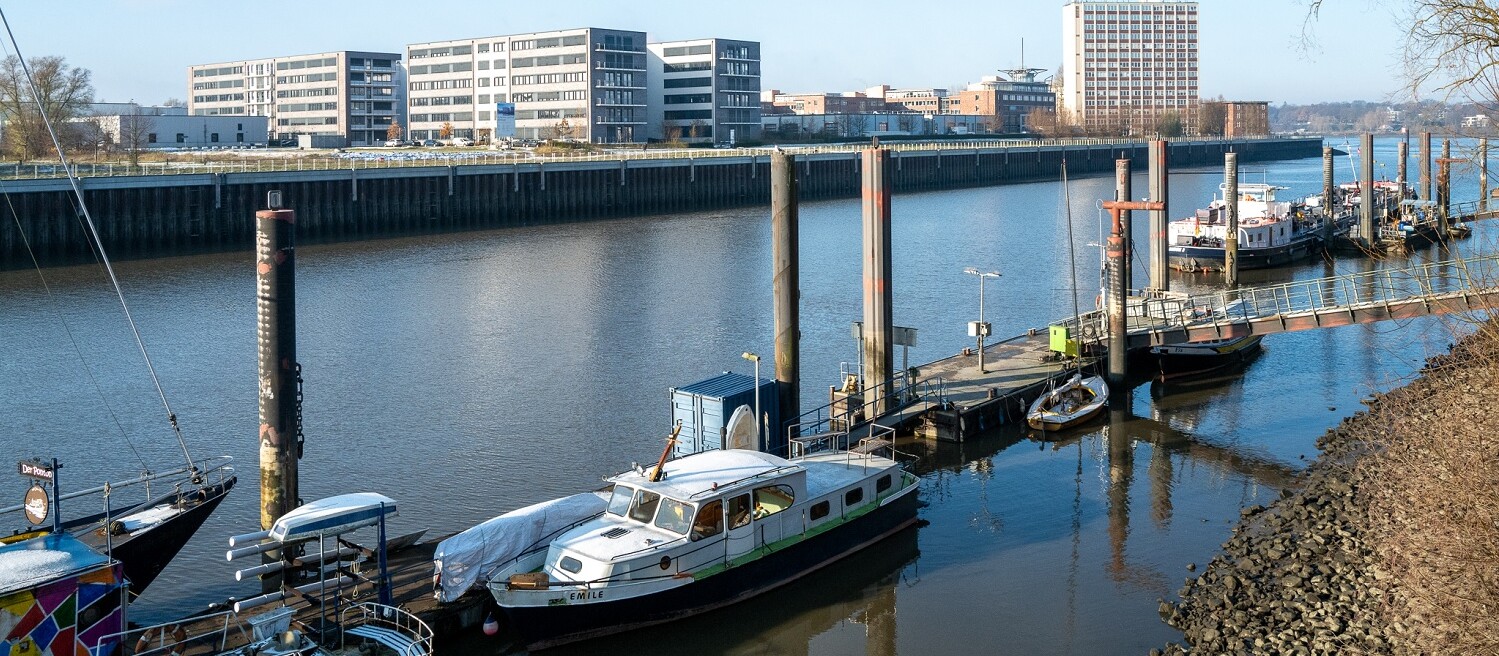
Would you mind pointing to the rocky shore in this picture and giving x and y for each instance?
(1375, 552)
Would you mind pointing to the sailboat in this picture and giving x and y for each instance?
(143, 535)
(1081, 398)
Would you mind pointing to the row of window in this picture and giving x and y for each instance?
(547, 78)
(307, 77)
(306, 93)
(306, 63)
(214, 72)
(682, 51)
(442, 117)
(441, 84)
(688, 114)
(442, 100)
(221, 84)
(550, 114)
(307, 107)
(307, 121)
(499, 81)
(741, 68)
(222, 97)
(553, 60)
(689, 66)
(689, 99)
(212, 137)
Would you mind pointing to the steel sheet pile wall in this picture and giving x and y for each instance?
(150, 216)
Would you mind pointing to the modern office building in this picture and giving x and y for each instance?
(352, 94)
(587, 84)
(704, 90)
(1126, 63)
(1010, 100)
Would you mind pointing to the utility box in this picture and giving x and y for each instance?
(704, 408)
(1063, 342)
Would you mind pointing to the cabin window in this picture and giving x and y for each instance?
(644, 507)
(570, 564)
(709, 520)
(620, 502)
(882, 484)
(820, 510)
(853, 497)
(674, 516)
(739, 511)
(772, 499)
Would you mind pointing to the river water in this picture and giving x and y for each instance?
(470, 374)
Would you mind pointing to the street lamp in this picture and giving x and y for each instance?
(979, 328)
(756, 359)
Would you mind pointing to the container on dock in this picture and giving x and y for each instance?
(1063, 341)
(704, 408)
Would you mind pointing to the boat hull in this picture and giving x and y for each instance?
(1078, 420)
(1205, 258)
(1179, 361)
(145, 553)
(539, 627)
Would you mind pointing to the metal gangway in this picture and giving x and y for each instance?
(1432, 288)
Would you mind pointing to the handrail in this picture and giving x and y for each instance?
(262, 162)
(395, 618)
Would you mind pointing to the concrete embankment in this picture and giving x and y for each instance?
(160, 215)
(1389, 546)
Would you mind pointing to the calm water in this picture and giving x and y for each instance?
(467, 375)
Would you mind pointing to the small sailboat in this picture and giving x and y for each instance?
(1069, 404)
(1080, 398)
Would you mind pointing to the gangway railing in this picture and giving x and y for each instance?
(1393, 293)
(856, 407)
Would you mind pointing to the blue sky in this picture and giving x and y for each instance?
(140, 49)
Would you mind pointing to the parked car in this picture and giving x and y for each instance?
(461, 141)
(430, 143)
(393, 143)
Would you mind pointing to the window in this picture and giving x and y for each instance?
(681, 83)
(820, 510)
(644, 507)
(620, 502)
(674, 516)
(214, 137)
(709, 521)
(853, 497)
(181, 138)
(151, 137)
(882, 484)
(689, 66)
(772, 499)
(739, 511)
(570, 564)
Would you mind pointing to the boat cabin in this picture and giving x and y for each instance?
(1264, 222)
(712, 510)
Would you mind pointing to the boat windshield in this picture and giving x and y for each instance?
(674, 516)
(620, 502)
(645, 506)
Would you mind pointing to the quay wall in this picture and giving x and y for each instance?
(165, 215)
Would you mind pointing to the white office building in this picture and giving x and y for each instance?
(355, 95)
(1126, 63)
(705, 91)
(587, 84)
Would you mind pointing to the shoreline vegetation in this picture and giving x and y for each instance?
(1391, 543)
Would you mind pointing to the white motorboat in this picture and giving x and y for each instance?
(1069, 404)
(711, 529)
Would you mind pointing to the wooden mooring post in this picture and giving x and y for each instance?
(878, 179)
(786, 258)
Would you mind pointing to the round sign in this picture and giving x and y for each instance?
(36, 505)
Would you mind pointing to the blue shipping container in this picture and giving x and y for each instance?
(704, 409)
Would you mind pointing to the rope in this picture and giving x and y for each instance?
(98, 243)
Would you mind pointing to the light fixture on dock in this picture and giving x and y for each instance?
(756, 359)
(980, 328)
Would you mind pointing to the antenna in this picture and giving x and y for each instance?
(1022, 74)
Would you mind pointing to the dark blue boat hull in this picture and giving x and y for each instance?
(1205, 258)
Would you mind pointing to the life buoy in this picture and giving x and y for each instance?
(175, 632)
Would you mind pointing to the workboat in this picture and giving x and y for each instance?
(702, 532)
(1069, 404)
(1271, 232)
(1188, 359)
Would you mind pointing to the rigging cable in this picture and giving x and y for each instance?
(98, 242)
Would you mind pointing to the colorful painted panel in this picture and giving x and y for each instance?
(64, 616)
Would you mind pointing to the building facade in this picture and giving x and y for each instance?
(134, 131)
(1124, 64)
(353, 94)
(704, 90)
(587, 84)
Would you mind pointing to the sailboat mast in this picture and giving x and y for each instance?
(1071, 248)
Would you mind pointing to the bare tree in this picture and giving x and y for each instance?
(906, 123)
(62, 94)
(135, 135)
(849, 125)
(699, 128)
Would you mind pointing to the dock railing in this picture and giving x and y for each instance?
(849, 409)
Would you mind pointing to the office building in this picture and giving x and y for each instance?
(1124, 64)
(704, 90)
(354, 95)
(131, 131)
(587, 84)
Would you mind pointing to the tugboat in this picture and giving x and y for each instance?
(1271, 233)
(702, 532)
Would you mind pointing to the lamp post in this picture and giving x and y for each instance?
(978, 328)
(759, 442)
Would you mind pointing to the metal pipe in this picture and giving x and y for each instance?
(786, 260)
(878, 179)
(241, 552)
(1366, 191)
(247, 538)
(1118, 321)
(1160, 179)
(1231, 220)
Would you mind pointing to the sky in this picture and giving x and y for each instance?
(1249, 49)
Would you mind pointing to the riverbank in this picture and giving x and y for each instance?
(1391, 543)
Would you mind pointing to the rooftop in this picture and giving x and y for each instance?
(707, 471)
